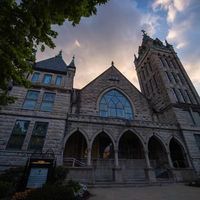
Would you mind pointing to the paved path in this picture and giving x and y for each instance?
(166, 192)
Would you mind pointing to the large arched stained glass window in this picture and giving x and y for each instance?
(114, 104)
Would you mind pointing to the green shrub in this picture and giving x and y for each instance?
(60, 174)
(10, 180)
(13, 176)
(73, 184)
(6, 188)
(21, 195)
(52, 192)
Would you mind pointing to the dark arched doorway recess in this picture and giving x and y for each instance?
(75, 153)
(177, 154)
(131, 156)
(158, 158)
(130, 147)
(103, 157)
(102, 147)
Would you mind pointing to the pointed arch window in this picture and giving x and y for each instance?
(114, 104)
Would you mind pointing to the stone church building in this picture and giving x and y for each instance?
(108, 130)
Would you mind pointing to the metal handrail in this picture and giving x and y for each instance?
(74, 162)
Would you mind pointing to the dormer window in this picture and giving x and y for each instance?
(47, 79)
(35, 77)
(58, 80)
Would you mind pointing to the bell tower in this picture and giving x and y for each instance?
(164, 81)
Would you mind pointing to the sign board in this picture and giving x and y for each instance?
(37, 177)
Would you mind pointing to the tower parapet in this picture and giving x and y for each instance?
(150, 43)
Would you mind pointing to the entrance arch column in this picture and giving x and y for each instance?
(188, 160)
(89, 150)
(146, 154)
(170, 160)
(116, 158)
(149, 171)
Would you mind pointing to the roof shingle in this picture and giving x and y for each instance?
(55, 64)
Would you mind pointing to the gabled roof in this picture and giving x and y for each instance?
(55, 64)
(113, 71)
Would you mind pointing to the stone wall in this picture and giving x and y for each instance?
(90, 127)
(113, 79)
(53, 139)
(60, 108)
(194, 151)
(56, 123)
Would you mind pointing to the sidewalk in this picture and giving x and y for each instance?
(166, 192)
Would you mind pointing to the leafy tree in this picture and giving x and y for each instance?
(25, 25)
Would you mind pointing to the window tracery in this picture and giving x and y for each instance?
(114, 104)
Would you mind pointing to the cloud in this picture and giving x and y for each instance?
(183, 32)
(181, 45)
(77, 43)
(149, 23)
(180, 5)
(171, 6)
(177, 33)
(113, 34)
(171, 13)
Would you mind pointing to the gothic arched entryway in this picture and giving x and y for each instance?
(158, 158)
(177, 154)
(103, 157)
(75, 153)
(131, 156)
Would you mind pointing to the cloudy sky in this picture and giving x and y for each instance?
(114, 34)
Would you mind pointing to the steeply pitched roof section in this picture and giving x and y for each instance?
(72, 64)
(55, 64)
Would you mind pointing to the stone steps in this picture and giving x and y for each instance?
(136, 183)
